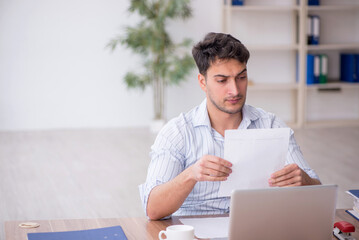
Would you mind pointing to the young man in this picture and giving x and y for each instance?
(187, 162)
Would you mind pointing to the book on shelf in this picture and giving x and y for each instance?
(323, 71)
(355, 211)
(349, 67)
(317, 68)
(313, 29)
(309, 30)
(310, 69)
(313, 2)
(237, 2)
(310, 2)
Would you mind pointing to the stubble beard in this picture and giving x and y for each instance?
(224, 109)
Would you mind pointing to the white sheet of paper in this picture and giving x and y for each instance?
(216, 227)
(255, 155)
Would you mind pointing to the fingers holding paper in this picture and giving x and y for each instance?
(290, 176)
(211, 168)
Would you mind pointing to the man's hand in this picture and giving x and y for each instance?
(166, 198)
(211, 168)
(290, 176)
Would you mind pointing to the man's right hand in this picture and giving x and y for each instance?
(166, 198)
(211, 168)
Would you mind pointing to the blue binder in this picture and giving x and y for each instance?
(108, 233)
(351, 213)
(313, 2)
(297, 67)
(316, 68)
(349, 67)
(309, 30)
(315, 29)
(310, 69)
(237, 2)
(354, 192)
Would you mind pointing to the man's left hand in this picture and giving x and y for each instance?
(291, 176)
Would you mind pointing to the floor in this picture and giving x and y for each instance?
(95, 173)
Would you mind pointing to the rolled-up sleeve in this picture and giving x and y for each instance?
(166, 162)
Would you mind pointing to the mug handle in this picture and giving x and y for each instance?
(160, 235)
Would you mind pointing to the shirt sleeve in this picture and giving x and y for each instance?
(294, 154)
(166, 163)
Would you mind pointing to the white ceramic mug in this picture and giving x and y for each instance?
(177, 232)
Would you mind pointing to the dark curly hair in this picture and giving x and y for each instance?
(218, 46)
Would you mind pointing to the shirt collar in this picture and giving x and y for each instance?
(202, 118)
(249, 113)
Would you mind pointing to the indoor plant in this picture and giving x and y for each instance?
(163, 61)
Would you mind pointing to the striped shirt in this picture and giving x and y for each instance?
(186, 138)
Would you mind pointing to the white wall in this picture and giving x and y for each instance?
(56, 73)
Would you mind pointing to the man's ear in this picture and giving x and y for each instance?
(202, 82)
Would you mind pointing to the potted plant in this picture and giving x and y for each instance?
(164, 62)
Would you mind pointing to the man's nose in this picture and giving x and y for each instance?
(233, 88)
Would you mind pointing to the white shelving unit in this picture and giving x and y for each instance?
(275, 34)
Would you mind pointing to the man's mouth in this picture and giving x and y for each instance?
(233, 100)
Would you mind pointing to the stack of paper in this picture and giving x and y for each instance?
(216, 227)
(255, 155)
(355, 211)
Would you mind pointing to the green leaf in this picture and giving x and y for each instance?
(113, 43)
(143, 7)
(150, 39)
(134, 81)
(180, 68)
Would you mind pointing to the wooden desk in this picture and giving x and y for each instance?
(134, 228)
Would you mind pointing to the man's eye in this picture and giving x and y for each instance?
(221, 80)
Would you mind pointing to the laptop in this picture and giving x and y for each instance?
(293, 213)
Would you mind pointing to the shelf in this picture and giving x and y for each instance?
(333, 7)
(278, 36)
(273, 8)
(333, 86)
(340, 46)
(272, 86)
(274, 47)
(332, 123)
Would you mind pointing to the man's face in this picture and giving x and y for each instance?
(226, 85)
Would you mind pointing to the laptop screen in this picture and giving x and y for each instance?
(283, 213)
